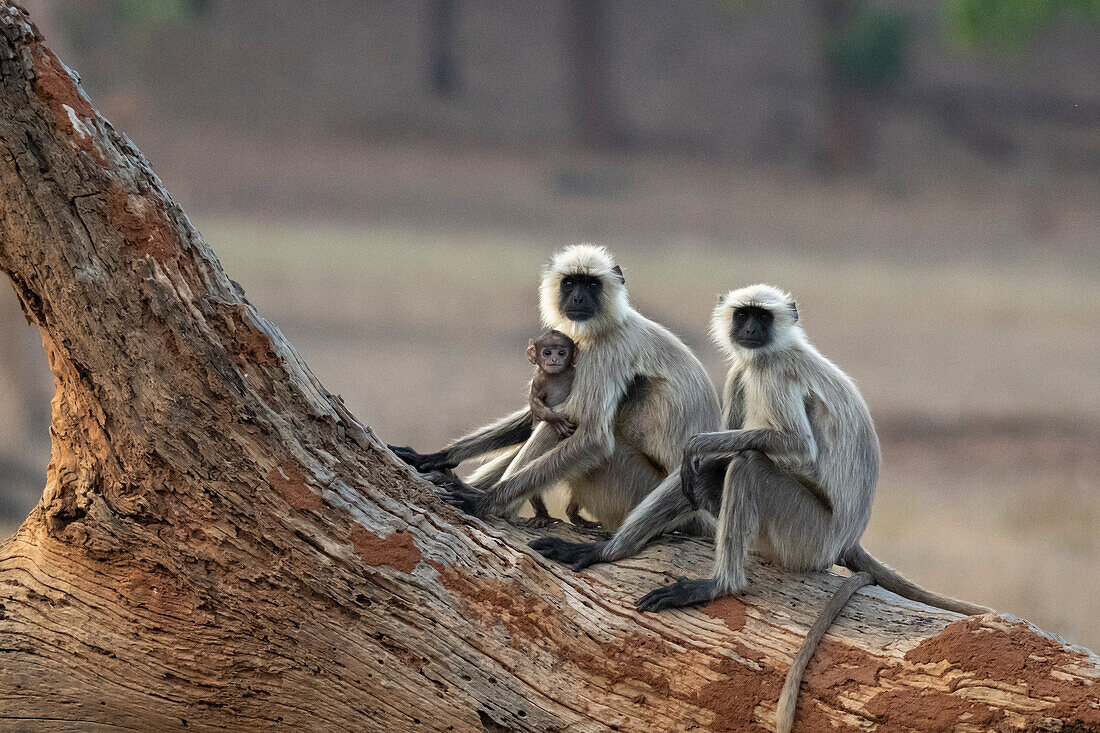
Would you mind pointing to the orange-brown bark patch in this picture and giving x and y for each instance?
(398, 550)
(287, 479)
(58, 89)
(1015, 653)
(838, 667)
(142, 223)
(728, 609)
(734, 697)
(908, 708)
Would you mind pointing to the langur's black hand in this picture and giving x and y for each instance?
(459, 494)
(423, 462)
(689, 472)
(578, 555)
(683, 592)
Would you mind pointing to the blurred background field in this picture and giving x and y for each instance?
(386, 180)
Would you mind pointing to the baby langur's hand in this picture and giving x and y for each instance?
(562, 424)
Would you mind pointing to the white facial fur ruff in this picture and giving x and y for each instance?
(786, 332)
(582, 259)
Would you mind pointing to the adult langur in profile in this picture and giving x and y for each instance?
(792, 476)
(638, 395)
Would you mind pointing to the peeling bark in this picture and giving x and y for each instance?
(220, 544)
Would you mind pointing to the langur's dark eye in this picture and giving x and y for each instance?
(562, 353)
(567, 283)
(740, 316)
(546, 352)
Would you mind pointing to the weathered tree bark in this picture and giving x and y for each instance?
(221, 545)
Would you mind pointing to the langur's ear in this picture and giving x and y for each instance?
(532, 353)
(720, 298)
(794, 311)
(619, 272)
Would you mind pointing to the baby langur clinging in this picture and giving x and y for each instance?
(553, 354)
(802, 460)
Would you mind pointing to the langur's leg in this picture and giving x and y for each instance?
(611, 490)
(542, 516)
(758, 498)
(573, 512)
(663, 509)
(490, 472)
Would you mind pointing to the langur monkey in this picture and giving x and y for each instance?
(554, 355)
(638, 394)
(792, 476)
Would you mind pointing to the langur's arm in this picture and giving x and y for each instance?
(561, 423)
(578, 454)
(511, 430)
(702, 477)
(540, 411)
(773, 443)
(733, 401)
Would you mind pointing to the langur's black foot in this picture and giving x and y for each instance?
(578, 555)
(683, 592)
(537, 522)
(423, 462)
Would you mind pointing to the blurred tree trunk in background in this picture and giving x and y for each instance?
(591, 34)
(220, 544)
(843, 133)
(441, 46)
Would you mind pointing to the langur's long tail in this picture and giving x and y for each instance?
(867, 570)
(788, 698)
(857, 559)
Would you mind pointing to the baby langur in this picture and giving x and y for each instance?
(553, 354)
(794, 473)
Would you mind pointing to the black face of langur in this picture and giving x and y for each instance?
(580, 296)
(552, 353)
(752, 327)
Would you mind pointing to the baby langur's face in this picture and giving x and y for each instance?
(554, 358)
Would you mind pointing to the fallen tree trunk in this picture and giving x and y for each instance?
(220, 544)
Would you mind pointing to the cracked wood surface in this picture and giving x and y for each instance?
(220, 544)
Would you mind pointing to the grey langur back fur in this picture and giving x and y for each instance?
(792, 476)
(638, 394)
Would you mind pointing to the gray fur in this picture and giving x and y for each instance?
(638, 394)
